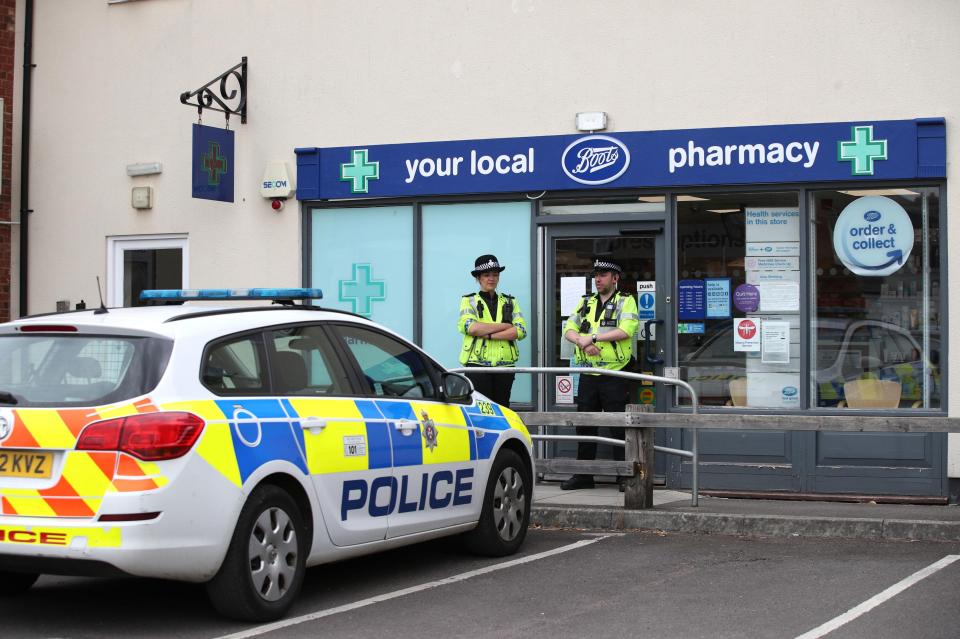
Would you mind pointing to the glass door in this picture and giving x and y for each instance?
(638, 249)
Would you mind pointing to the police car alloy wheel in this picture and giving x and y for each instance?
(263, 570)
(15, 583)
(506, 508)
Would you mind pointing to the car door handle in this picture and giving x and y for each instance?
(405, 426)
(314, 424)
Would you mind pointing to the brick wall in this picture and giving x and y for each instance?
(7, 45)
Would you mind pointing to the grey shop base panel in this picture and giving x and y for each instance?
(904, 464)
(908, 464)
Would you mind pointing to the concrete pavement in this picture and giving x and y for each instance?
(601, 508)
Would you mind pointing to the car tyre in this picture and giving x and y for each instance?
(16, 583)
(264, 567)
(506, 508)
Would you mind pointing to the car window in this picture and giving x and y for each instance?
(304, 364)
(62, 370)
(390, 367)
(235, 366)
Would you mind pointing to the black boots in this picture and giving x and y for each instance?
(576, 482)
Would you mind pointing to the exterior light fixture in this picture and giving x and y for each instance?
(591, 121)
(144, 168)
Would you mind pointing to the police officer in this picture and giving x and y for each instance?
(602, 328)
(491, 324)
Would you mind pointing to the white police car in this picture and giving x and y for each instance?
(238, 445)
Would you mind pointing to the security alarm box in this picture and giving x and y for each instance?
(276, 182)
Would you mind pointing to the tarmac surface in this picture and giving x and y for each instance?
(601, 508)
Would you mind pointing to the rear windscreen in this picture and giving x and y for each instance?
(78, 370)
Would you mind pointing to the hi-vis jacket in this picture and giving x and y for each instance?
(490, 352)
(620, 311)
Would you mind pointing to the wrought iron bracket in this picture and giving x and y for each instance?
(228, 100)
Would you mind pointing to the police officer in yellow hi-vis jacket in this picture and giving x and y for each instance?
(602, 328)
(491, 324)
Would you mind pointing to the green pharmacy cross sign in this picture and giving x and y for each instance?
(359, 172)
(362, 290)
(214, 164)
(862, 150)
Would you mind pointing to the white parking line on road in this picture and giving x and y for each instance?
(878, 599)
(286, 623)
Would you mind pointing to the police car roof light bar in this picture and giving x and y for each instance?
(184, 295)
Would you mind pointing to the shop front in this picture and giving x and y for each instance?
(778, 269)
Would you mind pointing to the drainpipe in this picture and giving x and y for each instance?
(25, 151)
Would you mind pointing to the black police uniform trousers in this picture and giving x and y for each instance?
(598, 393)
(496, 386)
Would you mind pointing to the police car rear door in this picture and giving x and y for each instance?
(346, 443)
(432, 484)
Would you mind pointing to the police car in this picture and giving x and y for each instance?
(238, 445)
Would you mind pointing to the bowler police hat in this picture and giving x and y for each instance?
(606, 264)
(485, 264)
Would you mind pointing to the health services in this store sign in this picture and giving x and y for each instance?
(873, 236)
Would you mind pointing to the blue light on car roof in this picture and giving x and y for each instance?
(182, 295)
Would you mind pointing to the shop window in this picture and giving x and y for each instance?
(738, 298)
(362, 259)
(454, 235)
(876, 327)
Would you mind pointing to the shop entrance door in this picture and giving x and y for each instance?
(639, 249)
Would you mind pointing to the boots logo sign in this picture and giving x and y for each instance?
(595, 159)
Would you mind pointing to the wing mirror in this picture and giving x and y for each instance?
(456, 387)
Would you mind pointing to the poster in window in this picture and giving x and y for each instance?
(717, 291)
(774, 342)
(691, 300)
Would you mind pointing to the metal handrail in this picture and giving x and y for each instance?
(693, 454)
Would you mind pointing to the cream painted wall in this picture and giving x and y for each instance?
(343, 72)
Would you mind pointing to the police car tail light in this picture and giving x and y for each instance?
(148, 436)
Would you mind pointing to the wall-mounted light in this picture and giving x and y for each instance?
(591, 121)
(888, 192)
(144, 168)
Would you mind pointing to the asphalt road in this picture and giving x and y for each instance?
(570, 584)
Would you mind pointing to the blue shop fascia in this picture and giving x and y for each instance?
(887, 150)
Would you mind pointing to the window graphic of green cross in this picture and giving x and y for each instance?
(214, 164)
(862, 150)
(359, 172)
(362, 290)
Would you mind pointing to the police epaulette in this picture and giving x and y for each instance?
(507, 295)
(469, 294)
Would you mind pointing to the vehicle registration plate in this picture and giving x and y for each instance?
(21, 463)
